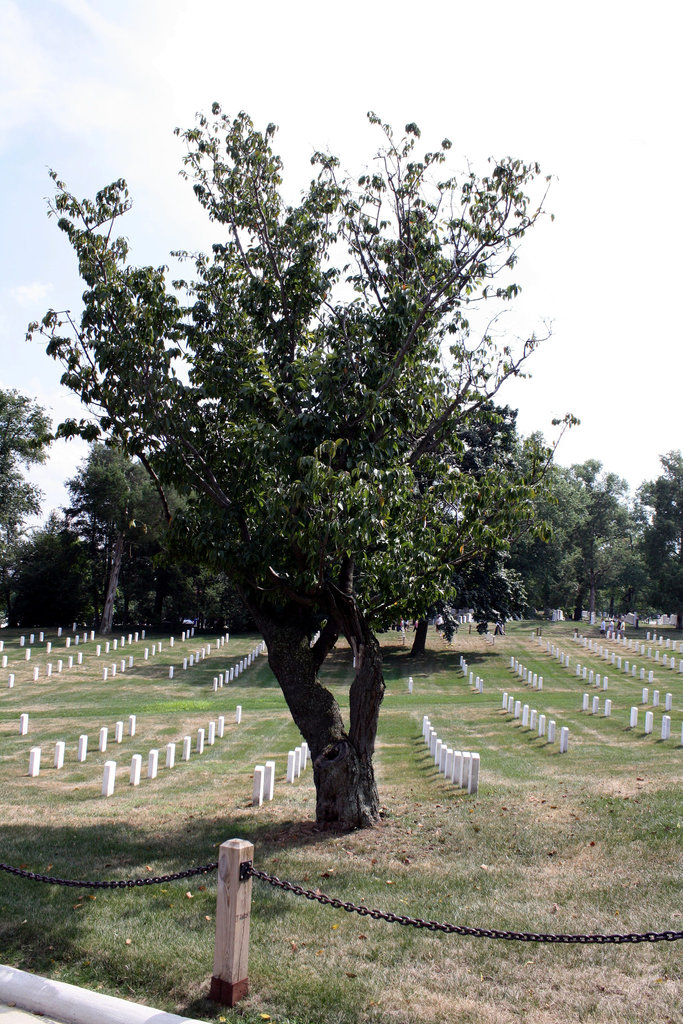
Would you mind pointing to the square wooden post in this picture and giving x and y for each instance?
(230, 983)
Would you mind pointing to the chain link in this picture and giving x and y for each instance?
(124, 883)
(456, 929)
(248, 871)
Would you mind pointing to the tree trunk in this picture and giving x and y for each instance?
(346, 791)
(420, 639)
(112, 584)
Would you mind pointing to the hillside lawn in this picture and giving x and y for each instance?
(589, 841)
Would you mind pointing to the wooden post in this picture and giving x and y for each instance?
(229, 983)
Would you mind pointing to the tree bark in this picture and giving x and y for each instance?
(346, 791)
(112, 584)
(420, 639)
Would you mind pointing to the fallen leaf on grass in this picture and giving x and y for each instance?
(349, 975)
(77, 905)
(128, 942)
(189, 895)
(334, 927)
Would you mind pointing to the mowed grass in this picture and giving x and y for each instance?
(590, 841)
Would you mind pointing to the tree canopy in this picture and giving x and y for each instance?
(306, 391)
(24, 437)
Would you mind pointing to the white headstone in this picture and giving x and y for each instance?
(187, 745)
(200, 741)
(34, 762)
(211, 735)
(103, 739)
(60, 747)
(131, 725)
(269, 780)
(541, 725)
(152, 764)
(608, 708)
(170, 755)
(473, 778)
(118, 732)
(564, 739)
(634, 718)
(649, 721)
(135, 769)
(257, 794)
(551, 731)
(291, 766)
(666, 727)
(221, 726)
(238, 714)
(23, 724)
(82, 747)
(108, 778)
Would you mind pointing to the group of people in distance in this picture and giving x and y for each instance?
(608, 626)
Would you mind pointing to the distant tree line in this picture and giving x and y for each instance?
(105, 559)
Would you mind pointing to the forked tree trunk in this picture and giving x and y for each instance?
(346, 791)
(112, 584)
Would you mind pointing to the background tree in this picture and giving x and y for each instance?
(116, 511)
(51, 576)
(24, 437)
(323, 366)
(661, 501)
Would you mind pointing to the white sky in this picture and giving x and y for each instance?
(591, 90)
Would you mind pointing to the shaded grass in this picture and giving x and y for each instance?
(590, 841)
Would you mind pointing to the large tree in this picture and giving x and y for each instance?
(24, 437)
(302, 386)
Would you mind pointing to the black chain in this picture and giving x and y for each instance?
(455, 929)
(124, 883)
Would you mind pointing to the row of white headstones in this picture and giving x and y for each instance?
(215, 729)
(459, 766)
(199, 655)
(667, 661)
(530, 717)
(264, 774)
(588, 676)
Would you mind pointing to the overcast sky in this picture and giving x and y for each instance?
(591, 90)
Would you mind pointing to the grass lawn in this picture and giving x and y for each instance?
(588, 841)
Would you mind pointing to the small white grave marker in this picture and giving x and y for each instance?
(34, 762)
(108, 778)
(649, 721)
(23, 724)
(82, 747)
(269, 780)
(60, 747)
(152, 764)
(103, 739)
(187, 744)
(257, 793)
(135, 769)
(170, 755)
